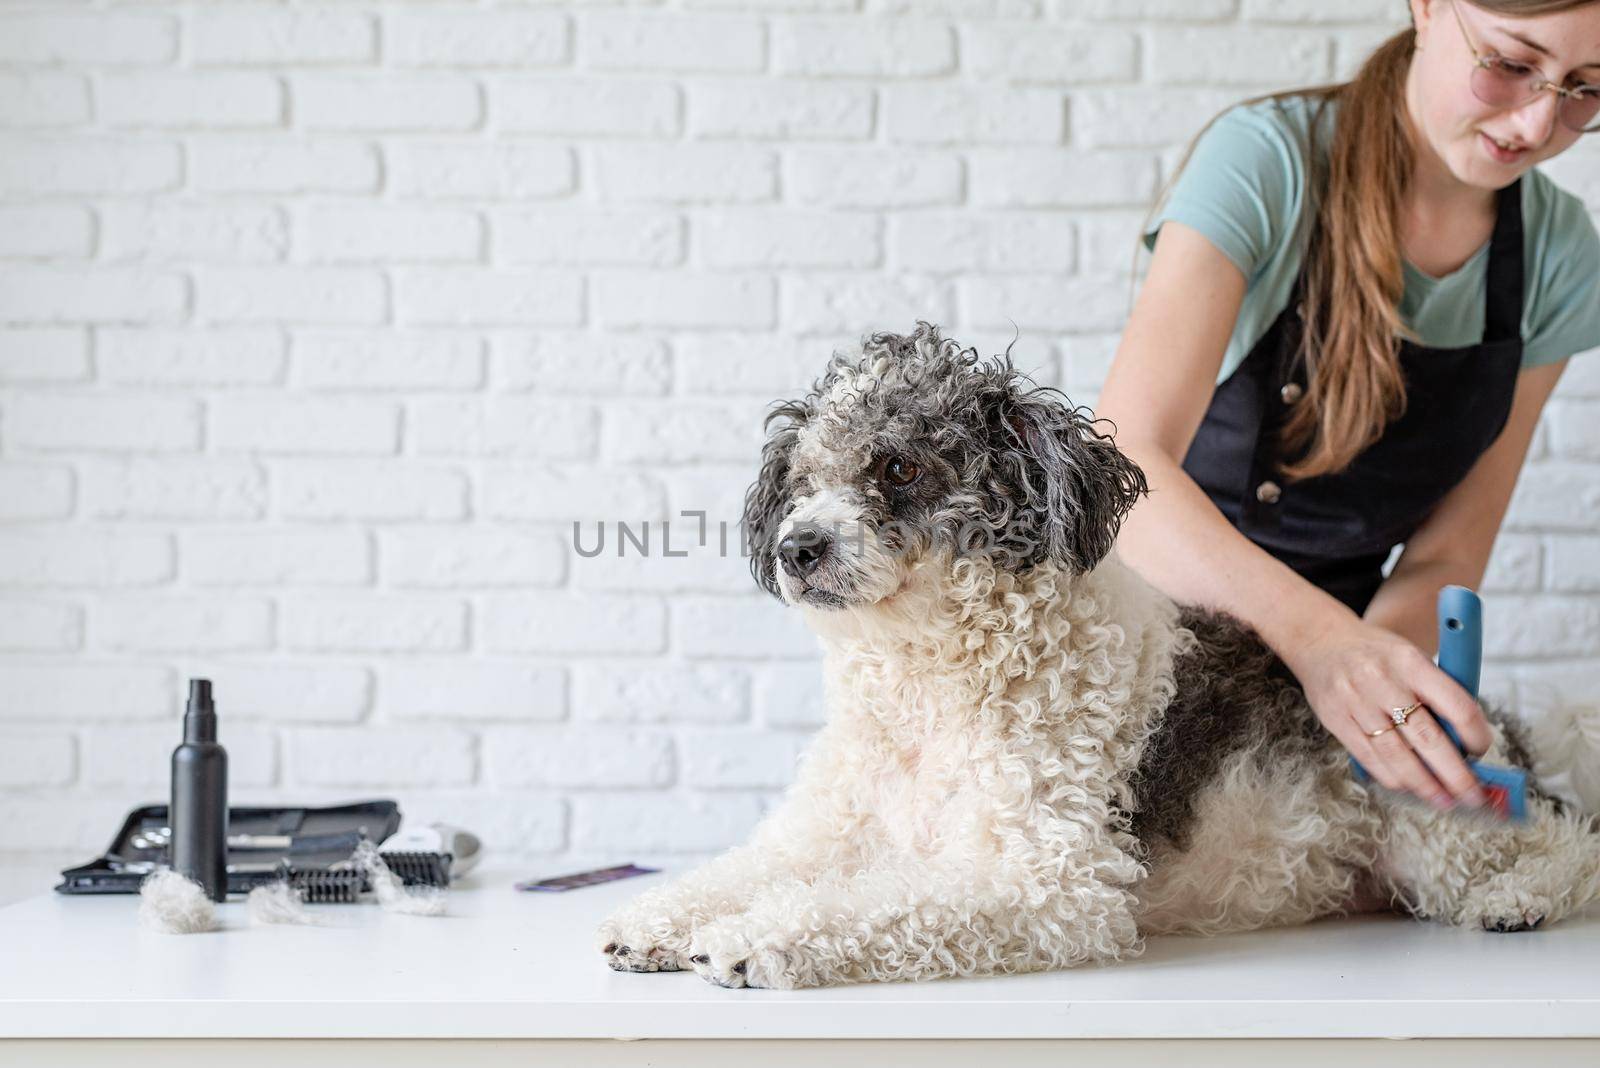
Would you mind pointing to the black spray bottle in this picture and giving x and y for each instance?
(199, 809)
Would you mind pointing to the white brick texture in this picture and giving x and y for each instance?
(334, 335)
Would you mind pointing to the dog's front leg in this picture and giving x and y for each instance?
(811, 831)
(918, 922)
(651, 933)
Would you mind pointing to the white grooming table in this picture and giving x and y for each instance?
(508, 974)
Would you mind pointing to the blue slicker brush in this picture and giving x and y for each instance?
(1461, 657)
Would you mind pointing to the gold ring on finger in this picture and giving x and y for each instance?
(1380, 730)
(1399, 714)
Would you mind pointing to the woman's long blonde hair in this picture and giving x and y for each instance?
(1353, 261)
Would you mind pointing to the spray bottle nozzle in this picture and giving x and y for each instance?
(200, 717)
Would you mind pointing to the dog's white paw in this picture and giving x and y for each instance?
(724, 972)
(1503, 906)
(633, 946)
(724, 955)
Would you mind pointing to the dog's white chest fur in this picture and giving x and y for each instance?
(994, 734)
(910, 740)
(926, 803)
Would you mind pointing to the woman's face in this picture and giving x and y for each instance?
(1458, 126)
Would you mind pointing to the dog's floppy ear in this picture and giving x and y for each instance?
(1075, 485)
(769, 497)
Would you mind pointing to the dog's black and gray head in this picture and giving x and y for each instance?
(918, 449)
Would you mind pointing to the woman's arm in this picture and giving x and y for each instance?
(1157, 392)
(1454, 542)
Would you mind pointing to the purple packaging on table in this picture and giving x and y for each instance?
(558, 883)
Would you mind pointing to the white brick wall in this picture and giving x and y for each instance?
(320, 322)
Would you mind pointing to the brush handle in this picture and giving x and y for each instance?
(1460, 645)
(1461, 636)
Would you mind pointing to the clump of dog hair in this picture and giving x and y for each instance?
(175, 904)
(279, 903)
(391, 892)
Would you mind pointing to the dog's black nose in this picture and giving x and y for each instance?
(802, 549)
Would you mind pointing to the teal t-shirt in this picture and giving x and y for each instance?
(1244, 189)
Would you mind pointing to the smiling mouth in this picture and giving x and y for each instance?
(1503, 148)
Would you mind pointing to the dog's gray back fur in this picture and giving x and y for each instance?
(1235, 694)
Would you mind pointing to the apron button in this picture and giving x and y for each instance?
(1291, 392)
(1268, 492)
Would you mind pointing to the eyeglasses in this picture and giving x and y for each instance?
(1504, 83)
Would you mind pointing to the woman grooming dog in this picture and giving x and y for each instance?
(1031, 757)
(1359, 301)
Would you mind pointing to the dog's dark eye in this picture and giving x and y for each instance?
(898, 471)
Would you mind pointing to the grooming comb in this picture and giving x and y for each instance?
(419, 869)
(344, 886)
(320, 886)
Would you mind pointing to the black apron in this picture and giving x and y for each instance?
(1337, 530)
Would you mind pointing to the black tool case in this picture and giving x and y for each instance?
(316, 859)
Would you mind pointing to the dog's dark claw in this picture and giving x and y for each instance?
(700, 958)
(611, 947)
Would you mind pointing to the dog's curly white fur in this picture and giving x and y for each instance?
(1033, 758)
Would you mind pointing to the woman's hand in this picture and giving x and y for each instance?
(1354, 673)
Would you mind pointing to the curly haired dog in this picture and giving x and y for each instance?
(1032, 758)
